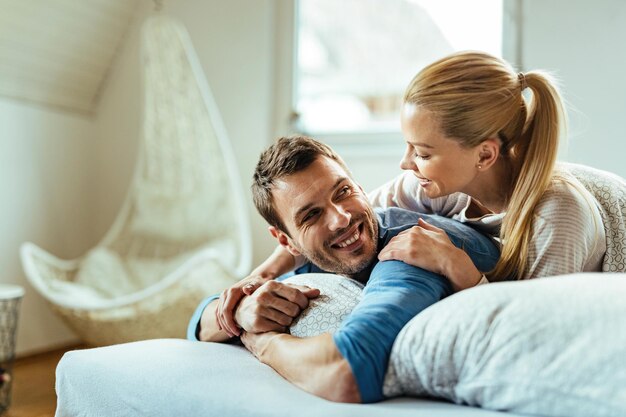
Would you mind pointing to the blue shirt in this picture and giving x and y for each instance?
(393, 295)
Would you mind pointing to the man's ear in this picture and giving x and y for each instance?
(283, 240)
(488, 152)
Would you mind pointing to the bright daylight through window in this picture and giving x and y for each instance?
(355, 57)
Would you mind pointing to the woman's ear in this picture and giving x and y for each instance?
(488, 153)
(284, 240)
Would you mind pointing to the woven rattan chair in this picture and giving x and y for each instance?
(183, 231)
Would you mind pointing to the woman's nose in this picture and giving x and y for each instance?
(408, 163)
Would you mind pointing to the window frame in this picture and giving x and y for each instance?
(360, 142)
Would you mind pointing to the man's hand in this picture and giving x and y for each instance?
(230, 298)
(273, 306)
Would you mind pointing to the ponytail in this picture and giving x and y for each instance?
(535, 151)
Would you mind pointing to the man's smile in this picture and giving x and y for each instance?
(350, 240)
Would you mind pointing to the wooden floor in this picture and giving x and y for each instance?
(33, 392)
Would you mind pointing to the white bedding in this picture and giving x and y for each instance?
(549, 347)
(171, 377)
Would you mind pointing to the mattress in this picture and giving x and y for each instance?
(173, 377)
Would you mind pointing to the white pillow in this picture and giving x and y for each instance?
(338, 297)
(549, 347)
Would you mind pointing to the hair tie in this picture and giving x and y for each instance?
(522, 80)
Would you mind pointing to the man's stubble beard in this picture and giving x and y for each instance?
(329, 263)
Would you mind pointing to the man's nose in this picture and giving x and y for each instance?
(339, 218)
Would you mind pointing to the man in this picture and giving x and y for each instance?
(315, 209)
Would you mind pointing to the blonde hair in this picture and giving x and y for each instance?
(476, 96)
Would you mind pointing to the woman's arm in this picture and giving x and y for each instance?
(313, 364)
(209, 328)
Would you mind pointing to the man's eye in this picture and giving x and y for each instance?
(310, 215)
(345, 190)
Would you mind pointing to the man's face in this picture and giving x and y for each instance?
(328, 217)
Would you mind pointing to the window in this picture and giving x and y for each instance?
(354, 58)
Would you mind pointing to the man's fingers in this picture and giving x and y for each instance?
(291, 294)
(276, 317)
(282, 305)
(307, 291)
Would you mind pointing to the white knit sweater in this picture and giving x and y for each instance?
(576, 222)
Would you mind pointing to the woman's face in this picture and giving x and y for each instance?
(441, 164)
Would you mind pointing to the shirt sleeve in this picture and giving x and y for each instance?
(193, 328)
(405, 192)
(568, 234)
(394, 294)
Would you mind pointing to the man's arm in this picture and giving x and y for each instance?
(355, 358)
(314, 364)
(349, 366)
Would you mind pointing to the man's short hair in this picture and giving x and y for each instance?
(287, 156)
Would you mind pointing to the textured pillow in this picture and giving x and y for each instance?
(549, 347)
(338, 297)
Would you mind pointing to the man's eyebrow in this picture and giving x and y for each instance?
(306, 207)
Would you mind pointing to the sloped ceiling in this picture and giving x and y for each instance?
(58, 52)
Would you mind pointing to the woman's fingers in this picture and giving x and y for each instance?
(251, 287)
(423, 223)
(396, 250)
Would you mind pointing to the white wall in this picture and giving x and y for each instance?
(583, 43)
(234, 41)
(46, 194)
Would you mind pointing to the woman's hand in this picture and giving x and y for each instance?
(429, 247)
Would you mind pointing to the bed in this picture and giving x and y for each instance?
(549, 347)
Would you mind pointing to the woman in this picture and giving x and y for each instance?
(479, 151)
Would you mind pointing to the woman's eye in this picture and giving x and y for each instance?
(424, 157)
